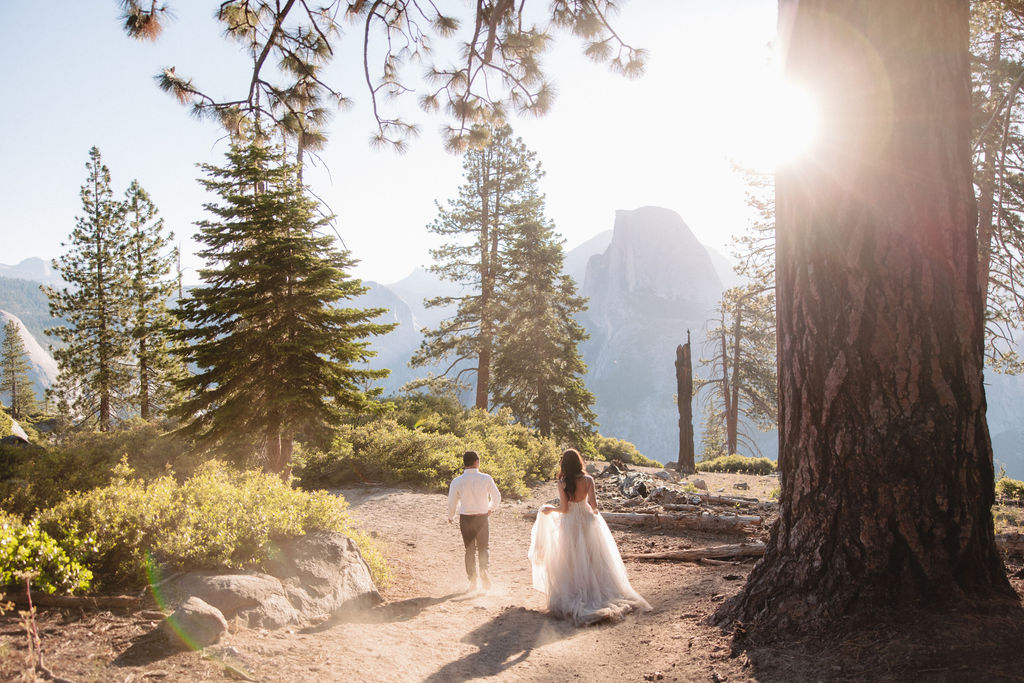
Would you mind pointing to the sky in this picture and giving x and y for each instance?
(668, 138)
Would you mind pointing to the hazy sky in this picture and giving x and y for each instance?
(665, 139)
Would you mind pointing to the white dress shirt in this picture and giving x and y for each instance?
(472, 493)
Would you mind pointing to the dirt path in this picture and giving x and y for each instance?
(429, 630)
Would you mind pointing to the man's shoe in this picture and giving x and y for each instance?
(471, 586)
(485, 582)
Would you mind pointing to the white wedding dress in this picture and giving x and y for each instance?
(577, 565)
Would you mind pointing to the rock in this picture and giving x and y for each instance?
(324, 574)
(257, 600)
(610, 470)
(195, 624)
(671, 465)
(741, 485)
(309, 579)
(667, 475)
(591, 468)
(636, 484)
(700, 483)
(16, 430)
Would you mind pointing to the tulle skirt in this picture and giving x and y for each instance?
(577, 565)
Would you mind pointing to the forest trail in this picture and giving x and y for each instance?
(428, 629)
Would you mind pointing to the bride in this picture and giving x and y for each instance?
(574, 557)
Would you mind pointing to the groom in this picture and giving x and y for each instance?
(474, 495)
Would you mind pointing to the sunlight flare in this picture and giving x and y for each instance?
(780, 126)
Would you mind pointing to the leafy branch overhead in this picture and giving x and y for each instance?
(291, 43)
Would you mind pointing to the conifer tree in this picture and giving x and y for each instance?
(743, 368)
(291, 43)
(275, 351)
(499, 193)
(743, 355)
(537, 365)
(95, 358)
(14, 368)
(149, 261)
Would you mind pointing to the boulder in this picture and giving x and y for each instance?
(741, 485)
(16, 430)
(636, 484)
(323, 574)
(592, 468)
(667, 475)
(256, 600)
(700, 483)
(194, 624)
(309, 579)
(610, 471)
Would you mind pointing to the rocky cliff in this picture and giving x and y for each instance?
(654, 282)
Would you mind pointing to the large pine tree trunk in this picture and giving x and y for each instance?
(886, 463)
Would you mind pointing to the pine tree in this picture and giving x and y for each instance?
(742, 364)
(14, 378)
(499, 193)
(95, 360)
(149, 261)
(712, 440)
(291, 43)
(537, 366)
(997, 45)
(275, 352)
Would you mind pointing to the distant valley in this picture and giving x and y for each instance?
(648, 279)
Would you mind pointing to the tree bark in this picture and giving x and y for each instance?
(684, 394)
(886, 462)
(732, 418)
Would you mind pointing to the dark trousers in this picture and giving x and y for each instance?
(475, 536)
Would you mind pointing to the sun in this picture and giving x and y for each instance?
(779, 126)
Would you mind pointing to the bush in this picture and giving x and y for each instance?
(1010, 489)
(6, 423)
(609, 448)
(26, 548)
(738, 464)
(216, 519)
(429, 454)
(33, 477)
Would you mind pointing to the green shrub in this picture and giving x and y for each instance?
(26, 548)
(34, 477)
(218, 518)
(6, 423)
(737, 464)
(430, 453)
(609, 448)
(1010, 489)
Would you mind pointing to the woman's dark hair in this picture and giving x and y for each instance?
(572, 467)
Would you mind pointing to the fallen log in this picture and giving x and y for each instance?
(681, 506)
(716, 552)
(78, 602)
(727, 500)
(702, 521)
(684, 521)
(1010, 544)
